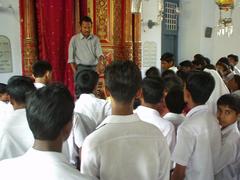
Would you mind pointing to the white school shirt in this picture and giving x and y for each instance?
(175, 119)
(15, 135)
(236, 70)
(5, 110)
(198, 144)
(82, 127)
(124, 147)
(152, 116)
(39, 85)
(96, 109)
(39, 165)
(231, 171)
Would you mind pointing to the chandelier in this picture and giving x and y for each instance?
(225, 26)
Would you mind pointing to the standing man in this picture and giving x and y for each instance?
(85, 50)
(167, 62)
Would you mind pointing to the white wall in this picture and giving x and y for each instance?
(195, 16)
(149, 11)
(10, 27)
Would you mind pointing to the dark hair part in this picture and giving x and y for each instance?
(85, 19)
(48, 110)
(230, 100)
(168, 73)
(19, 87)
(200, 84)
(85, 81)
(224, 60)
(175, 100)
(3, 88)
(152, 72)
(152, 89)
(168, 57)
(123, 80)
(40, 67)
(170, 82)
(237, 79)
(234, 57)
(186, 63)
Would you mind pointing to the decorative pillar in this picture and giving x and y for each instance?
(137, 44)
(127, 30)
(77, 15)
(28, 28)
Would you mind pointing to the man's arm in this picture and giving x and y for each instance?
(178, 172)
(101, 64)
(74, 67)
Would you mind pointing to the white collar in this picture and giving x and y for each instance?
(119, 119)
(229, 128)
(197, 110)
(147, 109)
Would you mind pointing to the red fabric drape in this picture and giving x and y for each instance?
(55, 27)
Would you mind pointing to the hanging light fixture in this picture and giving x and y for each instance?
(225, 26)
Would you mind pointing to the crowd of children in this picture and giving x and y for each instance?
(178, 124)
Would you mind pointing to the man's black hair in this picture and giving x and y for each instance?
(168, 57)
(85, 19)
(3, 88)
(170, 82)
(200, 84)
(40, 67)
(186, 63)
(152, 89)
(19, 87)
(123, 80)
(234, 57)
(85, 81)
(168, 73)
(175, 100)
(152, 72)
(48, 110)
(230, 100)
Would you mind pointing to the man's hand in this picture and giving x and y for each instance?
(101, 65)
(74, 68)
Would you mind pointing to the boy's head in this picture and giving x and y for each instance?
(86, 82)
(228, 109)
(122, 80)
(42, 69)
(167, 60)
(186, 66)
(49, 112)
(18, 88)
(233, 59)
(152, 72)
(3, 93)
(173, 105)
(198, 87)
(152, 89)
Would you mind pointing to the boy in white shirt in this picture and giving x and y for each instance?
(174, 101)
(199, 136)
(15, 135)
(50, 123)
(123, 146)
(152, 94)
(228, 112)
(89, 110)
(42, 73)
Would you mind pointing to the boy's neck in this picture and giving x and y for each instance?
(40, 80)
(44, 145)
(152, 106)
(122, 108)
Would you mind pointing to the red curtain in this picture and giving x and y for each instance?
(55, 27)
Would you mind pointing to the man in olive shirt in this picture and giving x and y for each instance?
(85, 50)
